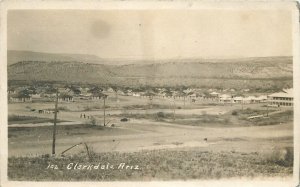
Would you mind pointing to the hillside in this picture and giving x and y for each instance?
(254, 72)
(14, 57)
(212, 69)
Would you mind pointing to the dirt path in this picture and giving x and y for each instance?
(147, 135)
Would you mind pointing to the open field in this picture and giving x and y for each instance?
(16, 119)
(199, 140)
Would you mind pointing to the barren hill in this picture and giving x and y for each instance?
(251, 72)
(14, 56)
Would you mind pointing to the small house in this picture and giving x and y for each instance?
(20, 98)
(214, 94)
(238, 99)
(225, 98)
(249, 100)
(97, 96)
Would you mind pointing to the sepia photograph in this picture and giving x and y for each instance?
(158, 94)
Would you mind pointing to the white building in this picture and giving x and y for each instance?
(284, 98)
(225, 98)
(238, 99)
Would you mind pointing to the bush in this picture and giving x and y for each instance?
(124, 120)
(93, 121)
(161, 114)
(282, 157)
(226, 121)
(63, 108)
(234, 113)
(20, 118)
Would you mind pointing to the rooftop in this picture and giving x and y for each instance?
(284, 93)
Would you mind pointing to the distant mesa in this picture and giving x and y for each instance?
(233, 73)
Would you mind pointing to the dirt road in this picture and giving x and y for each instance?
(144, 135)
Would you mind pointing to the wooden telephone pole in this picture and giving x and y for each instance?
(54, 124)
(174, 110)
(104, 97)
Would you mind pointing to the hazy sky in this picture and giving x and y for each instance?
(153, 34)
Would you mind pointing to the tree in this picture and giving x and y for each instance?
(95, 89)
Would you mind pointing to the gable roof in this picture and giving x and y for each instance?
(285, 93)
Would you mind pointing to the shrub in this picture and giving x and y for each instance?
(20, 118)
(124, 120)
(282, 157)
(234, 113)
(87, 108)
(63, 108)
(161, 114)
(226, 120)
(93, 121)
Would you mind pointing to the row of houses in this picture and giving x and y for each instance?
(284, 98)
(62, 97)
(243, 100)
(85, 92)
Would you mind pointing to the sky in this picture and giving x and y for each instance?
(153, 34)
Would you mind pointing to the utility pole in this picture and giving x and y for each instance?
(242, 104)
(174, 110)
(104, 97)
(54, 124)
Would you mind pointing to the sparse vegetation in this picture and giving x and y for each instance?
(277, 118)
(153, 165)
(161, 115)
(234, 113)
(211, 74)
(20, 119)
(94, 107)
(63, 108)
(93, 121)
(282, 157)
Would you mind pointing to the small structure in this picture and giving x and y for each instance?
(261, 99)
(136, 94)
(192, 95)
(11, 91)
(214, 94)
(97, 96)
(120, 92)
(36, 96)
(19, 97)
(110, 90)
(238, 99)
(225, 98)
(249, 100)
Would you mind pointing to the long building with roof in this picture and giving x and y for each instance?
(284, 98)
